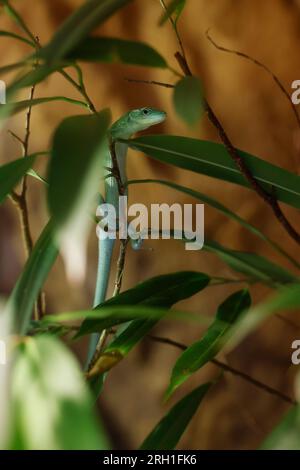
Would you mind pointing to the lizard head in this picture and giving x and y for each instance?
(145, 117)
(137, 120)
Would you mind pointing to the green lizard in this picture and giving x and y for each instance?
(132, 122)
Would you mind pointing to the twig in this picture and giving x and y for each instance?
(81, 88)
(120, 266)
(263, 66)
(15, 136)
(150, 82)
(174, 26)
(19, 20)
(269, 198)
(20, 200)
(115, 171)
(287, 321)
(232, 370)
(35, 43)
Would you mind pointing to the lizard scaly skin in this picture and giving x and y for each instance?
(130, 123)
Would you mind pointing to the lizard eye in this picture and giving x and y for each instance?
(145, 111)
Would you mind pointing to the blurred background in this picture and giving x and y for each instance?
(257, 117)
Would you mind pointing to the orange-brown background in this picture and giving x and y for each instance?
(259, 120)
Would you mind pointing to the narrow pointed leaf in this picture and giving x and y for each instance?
(16, 36)
(222, 209)
(72, 31)
(255, 266)
(21, 301)
(212, 159)
(119, 312)
(160, 291)
(19, 106)
(174, 9)
(11, 173)
(167, 433)
(202, 351)
(74, 172)
(77, 149)
(137, 329)
(78, 25)
(286, 298)
(115, 50)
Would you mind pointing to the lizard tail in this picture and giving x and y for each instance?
(105, 255)
(104, 263)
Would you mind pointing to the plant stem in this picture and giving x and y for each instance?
(232, 370)
(150, 82)
(269, 198)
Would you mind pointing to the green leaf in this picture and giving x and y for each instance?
(255, 266)
(17, 107)
(10, 67)
(115, 315)
(51, 404)
(115, 50)
(188, 100)
(160, 291)
(137, 329)
(167, 433)
(78, 25)
(17, 18)
(175, 9)
(74, 171)
(11, 173)
(16, 36)
(285, 436)
(222, 209)
(77, 150)
(38, 177)
(73, 30)
(32, 77)
(202, 351)
(21, 301)
(212, 159)
(286, 298)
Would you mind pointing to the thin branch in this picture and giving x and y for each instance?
(257, 383)
(174, 26)
(15, 136)
(263, 66)
(287, 321)
(150, 82)
(115, 171)
(269, 198)
(20, 200)
(80, 87)
(120, 266)
(19, 20)
(34, 41)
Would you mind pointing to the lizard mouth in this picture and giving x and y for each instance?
(159, 118)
